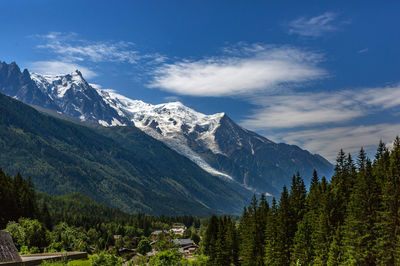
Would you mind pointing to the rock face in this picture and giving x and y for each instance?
(8, 251)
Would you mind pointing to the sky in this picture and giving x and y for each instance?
(324, 75)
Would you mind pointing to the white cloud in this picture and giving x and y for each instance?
(301, 109)
(171, 98)
(363, 51)
(96, 86)
(309, 109)
(56, 67)
(382, 97)
(329, 141)
(71, 48)
(315, 26)
(252, 69)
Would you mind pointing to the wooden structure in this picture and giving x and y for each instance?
(8, 251)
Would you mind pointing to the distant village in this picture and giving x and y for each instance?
(173, 238)
(186, 246)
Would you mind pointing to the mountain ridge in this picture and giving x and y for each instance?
(214, 142)
(138, 174)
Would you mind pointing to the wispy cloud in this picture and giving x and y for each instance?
(314, 26)
(363, 51)
(241, 71)
(349, 138)
(311, 108)
(69, 49)
(325, 122)
(171, 98)
(57, 67)
(73, 48)
(301, 109)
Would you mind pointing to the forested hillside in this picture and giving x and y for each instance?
(351, 220)
(135, 175)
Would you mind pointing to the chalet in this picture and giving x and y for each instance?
(178, 229)
(186, 246)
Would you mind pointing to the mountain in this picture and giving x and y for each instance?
(134, 174)
(219, 145)
(214, 142)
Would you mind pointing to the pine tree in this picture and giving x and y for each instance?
(322, 232)
(303, 249)
(284, 228)
(210, 238)
(336, 257)
(272, 251)
(388, 226)
(248, 237)
(45, 217)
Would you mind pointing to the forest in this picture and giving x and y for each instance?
(351, 219)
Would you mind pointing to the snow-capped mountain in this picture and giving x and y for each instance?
(73, 96)
(214, 142)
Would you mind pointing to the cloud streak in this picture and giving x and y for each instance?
(70, 47)
(69, 50)
(314, 26)
(301, 109)
(310, 109)
(350, 138)
(241, 72)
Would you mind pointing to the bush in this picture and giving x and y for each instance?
(104, 259)
(144, 246)
(168, 257)
(30, 233)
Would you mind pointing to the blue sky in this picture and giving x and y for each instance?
(323, 76)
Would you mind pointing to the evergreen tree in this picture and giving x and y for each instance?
(388, 227)
(272, 250)
(284, 228)
(362, 212)
(45, 216)
(323, 224)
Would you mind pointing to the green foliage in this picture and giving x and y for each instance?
(352, 220)
(166, 258)
(17, 198)
(121, 167)
(28, 233)
(144, 246)
(105, 259)
(163, 244)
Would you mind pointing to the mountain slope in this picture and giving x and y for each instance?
(213, 142)
(63, 157)
(219, 145)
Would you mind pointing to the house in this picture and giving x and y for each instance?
(178, 229)
(160, 234)
(186, 246)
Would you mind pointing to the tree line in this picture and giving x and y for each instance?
(41, 222)
(353, 219)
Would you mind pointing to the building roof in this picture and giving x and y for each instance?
(157, 232)
(182, 242)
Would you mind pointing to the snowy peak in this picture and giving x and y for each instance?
(57, 86)
(171, 120)
(76, 98)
